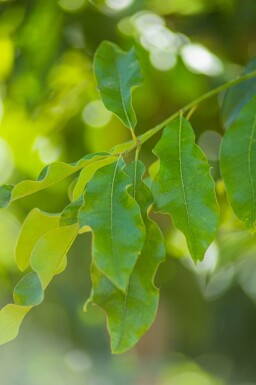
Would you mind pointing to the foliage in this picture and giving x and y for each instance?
(115, 198)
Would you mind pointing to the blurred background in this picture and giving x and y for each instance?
(50, 110)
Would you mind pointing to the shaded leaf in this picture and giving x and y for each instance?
(235, 98)
(131, 314)
(36, 224)
(11, 317)
(117, 72)
(69, 215)
(50, 175)
(29, 291)
(50, 250)
(184, 187)
(115, 219)
(238, 165)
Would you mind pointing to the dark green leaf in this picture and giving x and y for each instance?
(115, 219)
(184, 187)
(238, 96)
(29, 291)
(238, 164)
(131, 314)
(117, 72)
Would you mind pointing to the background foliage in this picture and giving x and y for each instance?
(50, 110)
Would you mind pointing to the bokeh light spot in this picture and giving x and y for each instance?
(96, 115)
(163, 60)
(118, 5)
(72, 5)
(199, 59)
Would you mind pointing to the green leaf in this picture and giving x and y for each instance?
(11, 317)
(235, 98)
(50, 250)
(115, 219)
(184, 187)
(5, 195)
(69, 215)
(238, 165)
(131, 314)
(36, 224)
(50, 175)
(87, 173)
(29, 291)
(117, 72)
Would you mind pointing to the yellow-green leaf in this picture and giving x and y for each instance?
(36, 224)
(11, 317)
(50, 250)
(50, 175)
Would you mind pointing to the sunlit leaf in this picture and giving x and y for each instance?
(11, 317)
(235, 98)
(29, 291)
(117, 72)
(131, 314)
(115, 219)
(238, 165)
(50, 175)
(35, 225)
(184, 187)
(49, 252)
(87, 173)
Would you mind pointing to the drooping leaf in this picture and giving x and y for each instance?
(238, 165)
(87, 173)
(131, 314)
(36, 224)
(184, 187)
(117, 72)
(50, 175)
(29, 291)
(235, 98)
(50, 250)
(11, 317)
(115, 219)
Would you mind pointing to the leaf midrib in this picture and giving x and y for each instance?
(121, 92)
(183, 186)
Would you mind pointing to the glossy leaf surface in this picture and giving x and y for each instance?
(184, 187)
(115, 219)
(131, 314)
(117, 72)
(36, 224)
(238, 165)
